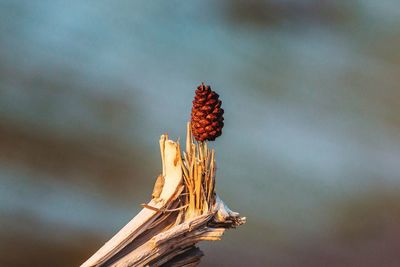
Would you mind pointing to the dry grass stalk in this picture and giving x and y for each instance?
(184, 210)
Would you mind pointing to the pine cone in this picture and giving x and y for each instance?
(207, 114)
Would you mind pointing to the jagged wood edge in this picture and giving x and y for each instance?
(172, 172)
(163, 230)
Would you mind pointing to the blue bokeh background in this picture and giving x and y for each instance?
(311, 145)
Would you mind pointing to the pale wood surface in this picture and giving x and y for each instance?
(185, 210)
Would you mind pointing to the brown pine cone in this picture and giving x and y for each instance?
(207, 114)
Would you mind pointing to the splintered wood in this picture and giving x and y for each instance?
(199, 176)
(184, 210)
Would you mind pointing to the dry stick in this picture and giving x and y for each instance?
(192, 197)
(173, 176)
(202, 158)
(170, 226)
(197, 177)
(210, 178)
(188, 139)
(207, 176)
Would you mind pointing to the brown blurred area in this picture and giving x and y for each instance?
(310, 151)
(94, 162)
(263, 13)
(27, 242)
(97, 159)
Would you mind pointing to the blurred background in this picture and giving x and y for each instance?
(311, 145)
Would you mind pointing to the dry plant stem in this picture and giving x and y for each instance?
(187, 211)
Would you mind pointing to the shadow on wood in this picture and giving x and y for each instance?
(184, 210)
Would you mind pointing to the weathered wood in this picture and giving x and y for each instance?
(184, 210)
